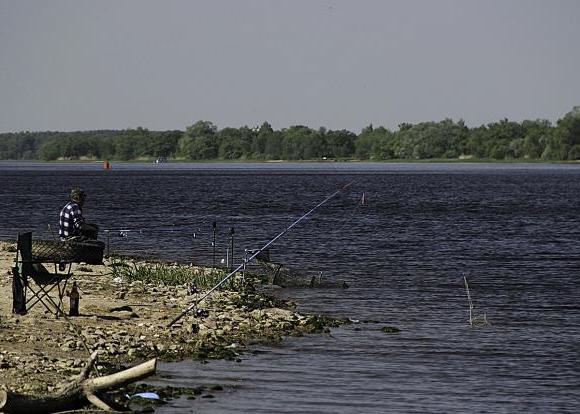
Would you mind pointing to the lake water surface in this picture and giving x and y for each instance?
(512, 229)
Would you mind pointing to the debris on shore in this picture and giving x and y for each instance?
(123, 316)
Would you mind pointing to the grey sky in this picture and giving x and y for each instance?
(79, 65)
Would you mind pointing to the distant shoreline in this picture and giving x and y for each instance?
(314, 161)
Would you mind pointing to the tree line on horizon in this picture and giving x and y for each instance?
(446, 139)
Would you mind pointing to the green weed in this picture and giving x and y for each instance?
(170, 274)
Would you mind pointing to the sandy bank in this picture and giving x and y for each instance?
(126, 321)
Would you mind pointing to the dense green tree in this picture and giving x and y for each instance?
(247, 137)
(315, 145)
(477, 143)
(203, 148)
(296, 139)
(340, 144)
(232, 144)
(162, 144)
(199, 141)
(505, 137)
(273, 145)
(384, 148)
(537, 136)
(375, 144)
(50, 150)
(260, 138)
(132, 143)
(567, 135)
(498, 140)
(444, 139)
(22, 145)
(363, 145)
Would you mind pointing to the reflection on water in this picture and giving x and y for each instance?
(513, 230)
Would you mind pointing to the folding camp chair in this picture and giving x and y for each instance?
(30, 275)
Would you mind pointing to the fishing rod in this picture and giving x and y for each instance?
(256, 253)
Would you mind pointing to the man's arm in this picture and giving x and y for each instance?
(77, 217)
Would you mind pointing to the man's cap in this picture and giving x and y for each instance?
(76, 193)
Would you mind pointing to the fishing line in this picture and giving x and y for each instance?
(342, 223)
(348, 217)
(256, 253)
(193, 228)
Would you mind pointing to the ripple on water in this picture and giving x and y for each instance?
(512, 230)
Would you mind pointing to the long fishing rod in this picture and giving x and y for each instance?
(256, 253)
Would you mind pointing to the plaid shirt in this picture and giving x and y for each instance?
(71, 220)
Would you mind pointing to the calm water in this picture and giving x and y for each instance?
(513, 230)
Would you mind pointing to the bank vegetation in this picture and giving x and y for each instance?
(446, 139)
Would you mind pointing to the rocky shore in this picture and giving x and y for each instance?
(126, 321)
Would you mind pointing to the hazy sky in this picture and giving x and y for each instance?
(79, 65)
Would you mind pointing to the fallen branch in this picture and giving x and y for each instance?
(78, 393)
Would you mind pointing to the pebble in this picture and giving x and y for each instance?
(226, 327)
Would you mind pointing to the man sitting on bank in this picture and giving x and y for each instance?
(72, 225)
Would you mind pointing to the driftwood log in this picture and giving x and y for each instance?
(78, 393)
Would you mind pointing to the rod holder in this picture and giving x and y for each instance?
(232, 232)
(214, 226)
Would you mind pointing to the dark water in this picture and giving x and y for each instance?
(512, 230)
